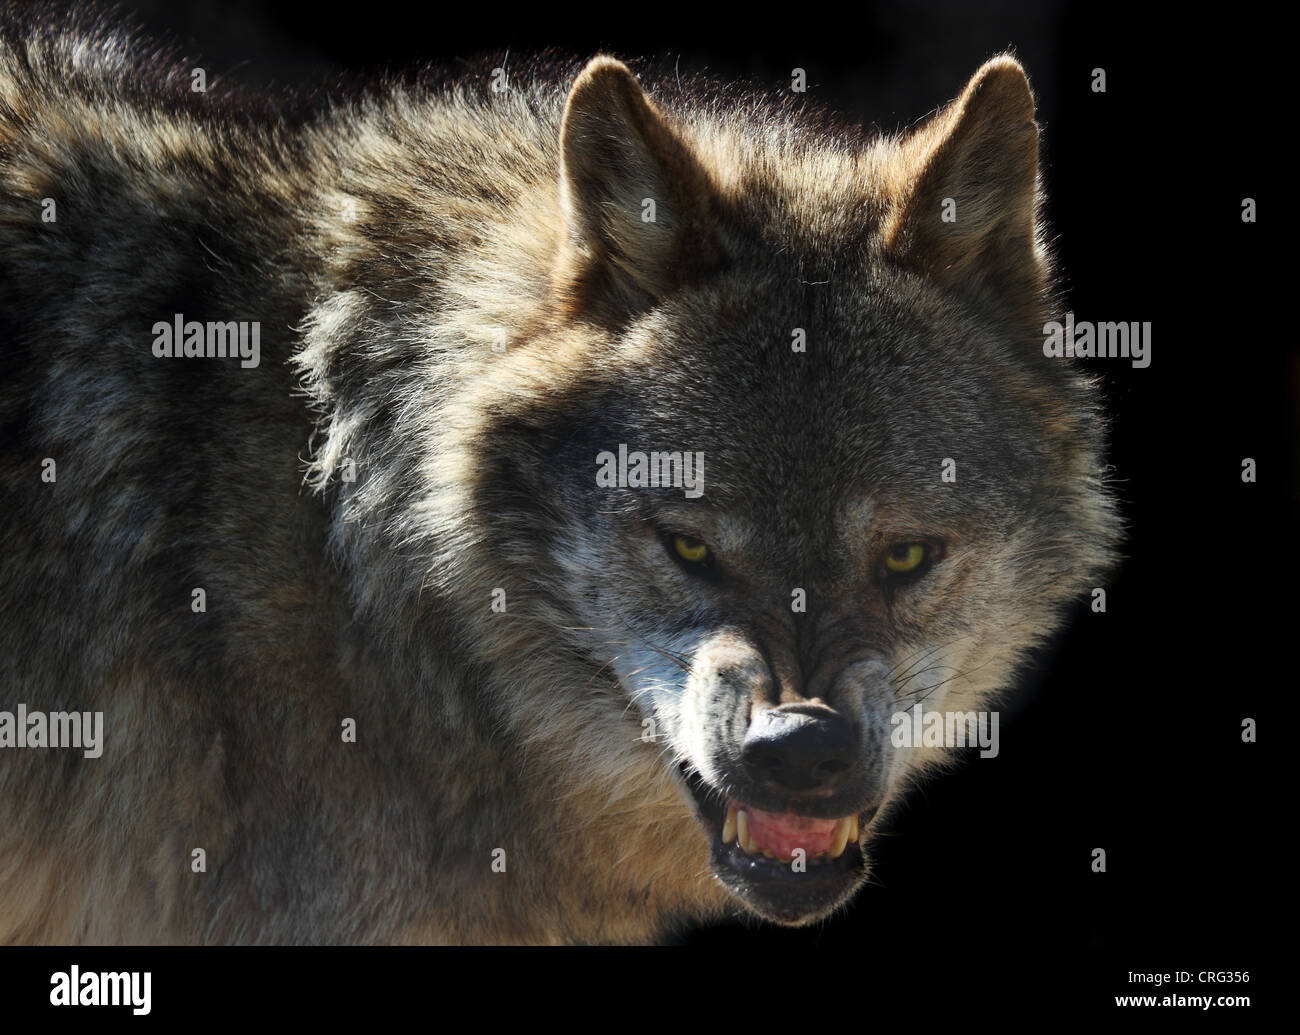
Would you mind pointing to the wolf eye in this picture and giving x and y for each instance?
(692, 551)
(692, 555)
(906, 558)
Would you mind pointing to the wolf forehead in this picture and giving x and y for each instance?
(858, 425)
(827, 394)
(808, 456)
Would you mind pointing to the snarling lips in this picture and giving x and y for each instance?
(789, 867)
(784, 835)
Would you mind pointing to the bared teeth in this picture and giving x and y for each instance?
(840, 838)
(735, 827)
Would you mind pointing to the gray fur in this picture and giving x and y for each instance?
(438, 312)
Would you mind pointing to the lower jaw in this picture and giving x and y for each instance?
(787, 892)
(782, 891)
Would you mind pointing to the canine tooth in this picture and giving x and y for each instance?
(853, 827)
(840, 838)
(767, 854)
(729, 826)
(742, 829)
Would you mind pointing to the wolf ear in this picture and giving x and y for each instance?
(636, 202)
(965, 212)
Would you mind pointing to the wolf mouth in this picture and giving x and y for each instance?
(788, 867)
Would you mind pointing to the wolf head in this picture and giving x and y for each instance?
(807, 465)
(774, 454)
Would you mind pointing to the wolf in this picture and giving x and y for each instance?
(384, 651)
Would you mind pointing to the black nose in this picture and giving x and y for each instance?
(799, 750)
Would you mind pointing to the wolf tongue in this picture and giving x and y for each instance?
(782, 832)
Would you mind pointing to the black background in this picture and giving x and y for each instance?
(1127, 735)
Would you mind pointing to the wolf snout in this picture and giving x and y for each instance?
(799, 749)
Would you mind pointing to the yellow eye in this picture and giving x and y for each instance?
(692, 551)
(905, 557)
